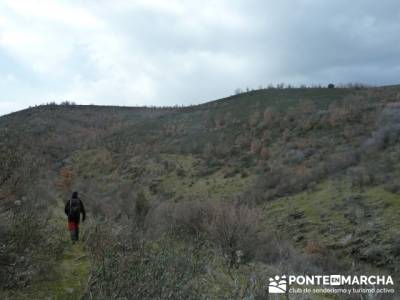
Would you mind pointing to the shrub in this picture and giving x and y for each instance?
(313, 247)
(395, 248)
(305, 107)
(337, 115)
(219, 122)
(191, 217)
(266, 136)
(180, 172)
(341, 160)
(254, 119)
(388, 129)
(234, 229)
(264, 153)
(255, 146)
(27, 249)
(222, 150)
(209, 150)
(268, 116)
(142, 207)
(242, 141)
(359, 176)
(294, 156)
(392, 187)
(162, 270)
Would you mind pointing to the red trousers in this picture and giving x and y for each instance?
(73, 225)
(74, 229)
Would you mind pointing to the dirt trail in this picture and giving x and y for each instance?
(71, 270)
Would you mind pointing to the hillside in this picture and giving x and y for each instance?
(205, 201)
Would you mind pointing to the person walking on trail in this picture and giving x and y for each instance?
(73, 209)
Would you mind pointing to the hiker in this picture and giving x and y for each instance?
(73, 209)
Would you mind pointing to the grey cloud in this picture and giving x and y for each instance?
(198, 51)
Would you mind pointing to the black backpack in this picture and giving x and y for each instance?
(74, 207)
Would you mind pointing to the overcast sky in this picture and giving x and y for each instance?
(166, 52)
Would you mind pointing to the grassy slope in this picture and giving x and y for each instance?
(333, 210)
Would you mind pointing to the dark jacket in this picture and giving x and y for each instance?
(75, 218)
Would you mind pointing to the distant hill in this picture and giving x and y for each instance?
(261, 183)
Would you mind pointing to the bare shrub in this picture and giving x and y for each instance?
(278, 180)
(254, 118)
(375, 142)
(9, 158)
(242, 141)
(341, 160)
(268, 116)
(231, 227)
(99, 239)
(306, 107)
(156, 270)
(255, 146)
(294, 156)
(222, 150)
(314, 247)
(338, 116)
(359, 176)
(142, 207)
(264, 153)
(219, 122)
(395, 242)
(209, 150)
(266, 136)
(388, 129)
(235, 230)
(191, 217)
(66, 179)
(392, 187)
(159, 220)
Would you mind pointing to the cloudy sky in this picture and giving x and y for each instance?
(166, 52)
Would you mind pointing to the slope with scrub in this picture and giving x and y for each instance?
(267, 182)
